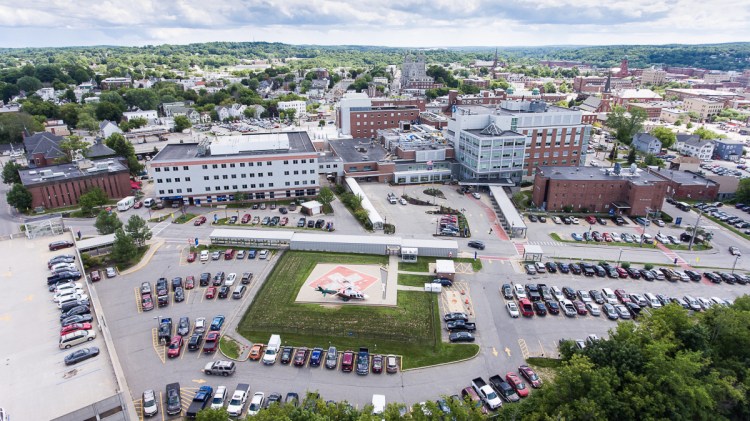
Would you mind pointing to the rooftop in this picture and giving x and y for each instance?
(686, 178)
(70, 171)
(358, 150)
(243, 145)
(639, 177)
(702, 92)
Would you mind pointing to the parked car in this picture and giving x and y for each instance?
(81, 355)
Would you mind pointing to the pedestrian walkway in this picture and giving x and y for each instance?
(519, 248)
(497, 230)
(409, 288)
(673, 256)
(545, 243)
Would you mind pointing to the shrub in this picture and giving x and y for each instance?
(526, 183)
(648, 266)
(339, 189)
(625, 265)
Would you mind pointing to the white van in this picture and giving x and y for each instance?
(149, 202)
(609, 296)
(378, 404)
(76, 338)
(204, 255)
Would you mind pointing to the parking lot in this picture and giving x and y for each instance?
(33, 368)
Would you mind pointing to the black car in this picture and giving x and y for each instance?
(506, 391)
(75, 311)
(443, 281)
(601, 220)
(546, 292)
(179, 295)
(634, 309)
(72, 304)
(223, 291)
(588, 269)
(205, 279)
(161, 286)
(633, 273)
(532, 290)
(533, 218)
(552, 307)
(575, 268)
(563, 267)
(195, 341)
(476, 244)
(174, 402)
(600, 272)
(597, 296)
(79, 318)
(247, 277)
(551, 267)
(176, 283)
(63, 276)
(507, 291)
(539, 308)
(461, 337)
(647, 275)
(81, 355)
(286, 354)
(57, 245)
(741, 279)
(693, 275)
(727, 277)
(542, 218)
(569, 293)
(449, 317)
(712, 277)
(566, 220)
(311, 223)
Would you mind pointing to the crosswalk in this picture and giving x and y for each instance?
(547, 243)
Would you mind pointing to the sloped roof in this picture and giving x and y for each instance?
(99, 149)
(682, 137)
(591, 104)
(644, 138)
(30, 143)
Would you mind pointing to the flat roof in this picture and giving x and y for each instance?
(532, 249)
(686, 178)
(347, 150)
(641, 177)
(70, 171)
(506, 206)
(95, 242)
(252, 234)
(243, 145)
(429, 243)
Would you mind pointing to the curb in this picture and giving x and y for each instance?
(146, 259)
(242, 349)
(479, 351)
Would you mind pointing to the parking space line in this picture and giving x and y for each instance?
(159, 348)
(524, 348)
(138, 300)
(138, 404)
(541, 346)
(161, 401)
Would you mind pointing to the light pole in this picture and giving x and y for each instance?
(645, 224)
(735, 263)
(695, 231)
(619, 258)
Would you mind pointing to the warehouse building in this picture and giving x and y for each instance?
(264, 166)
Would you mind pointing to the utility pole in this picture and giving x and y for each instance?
(695, 231)
(735, 263)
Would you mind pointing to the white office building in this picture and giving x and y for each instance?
(299, 107)
(264, 166)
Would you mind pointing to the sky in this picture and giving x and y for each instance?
(403, 23)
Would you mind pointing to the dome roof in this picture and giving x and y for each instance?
(535, 91)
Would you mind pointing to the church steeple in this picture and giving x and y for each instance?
(608, 84)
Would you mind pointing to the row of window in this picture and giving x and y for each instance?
(235, 187)
(258, 195)
(398, 114)
(234, 165)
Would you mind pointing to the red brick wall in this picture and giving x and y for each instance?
(541, 135)
(372, 121)
(59, 193)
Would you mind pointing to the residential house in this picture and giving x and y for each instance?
(108, 128)
(46, 94)
(646, 143)
(57, 127)
(701, 149)
(222, 112)
(42, 149)
(257, 110)
(728, 149)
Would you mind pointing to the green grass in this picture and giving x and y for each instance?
(544, 362)
(229, 347)
(727, 226)
(412, 329)
(159, 219)
(423, 264)
(414, 280)
(126, 265)
(184, 218)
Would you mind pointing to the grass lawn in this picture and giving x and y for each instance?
(414, 280)
(696, 247)
(184, 218)
(229, 347)
(412, 329)
(423, 264)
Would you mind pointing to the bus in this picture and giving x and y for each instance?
(682, 206)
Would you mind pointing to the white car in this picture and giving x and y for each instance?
(219, 396)
(68, 289)
(68, 298)
(585, 296)
(150, 407)
(557, 220)
(256, 403)
(63, 295)
(662, 239)
(402, 201)
(476, 195)
(557, 292)
(593, 308)
(200, 325)
(512, 309)
(230, 279)
(110, 271)
(215, 255)
(65, 285)
(263, 254)
(574, 220)
(519, 291)
(204, 255)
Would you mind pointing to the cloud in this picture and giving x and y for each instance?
(382, 22)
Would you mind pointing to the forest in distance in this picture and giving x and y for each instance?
(728, 56)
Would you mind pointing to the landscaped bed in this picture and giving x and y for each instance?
(412, 329)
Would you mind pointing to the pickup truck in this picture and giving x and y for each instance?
(504, 389)
(165, 329)
(486, 393)
(237, 403)
(162, 292)
(363, 361)
(460, 325)
(201, 399)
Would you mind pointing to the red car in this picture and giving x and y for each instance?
(622, 272)
(591, 220)
(190, 282)
(95, 276)
(515, 381)
(175, 347)
(199, 221)
(191, 257)
(527, 310)
(138, 205)
(622, 296)
(530, 375)
(607, 237)
(210, 292)
(147, 301)
(284, 221)
(300, 357)
(75, 327)
(212, 342)
(246, 218)
(580, 307)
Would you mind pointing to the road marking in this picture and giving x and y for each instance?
(524, 348)
(494, 351)
(158, 348)
(507, 351)
(164, 407)
(138, 404)
(199, 381)
(138, 304)
(541, 346)
(29, 298)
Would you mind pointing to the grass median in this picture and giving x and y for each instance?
(229, 347)
(412, 329)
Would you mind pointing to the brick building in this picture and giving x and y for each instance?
(598, 190)
(363, 159)
(62, 185)
(483, 98)
(361, 116)
(687, 185)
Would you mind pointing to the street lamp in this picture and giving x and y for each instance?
(695, 230)
(619, 258)
(735, 263)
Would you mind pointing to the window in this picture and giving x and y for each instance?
(296, 183)
(287, 183)
(242, 164)
(261, 185)
(161, 191)
(226, 187)
(234, 187)
(304, 161)
(286, 172)
(270, 174)
(205, 177)
(260, 164)
(170, 191)
(269, 163)
(179, 190)
(189, 190)
(187, 178)
(184, 167)
(223, 165)
(231, 165)
(296, 172)
(166, 169)
(175, 169)
(295, 162)
(252, 186)
(243, 175)
(208, 188)
(234, 175)
(286, 162)
(249, 164)
(304, 171)
(157, 169)
(216, 177)
(224, 176)
(270, 185)
(214, 166)
(260, 174)
(205, 167)
(158, 180)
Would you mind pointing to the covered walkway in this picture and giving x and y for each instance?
(507, 215)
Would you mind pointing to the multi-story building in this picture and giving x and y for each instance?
(453, 99)
(263, 166)
(623, 97)
(683, 94)
(359, 116)
(299, 107)
(704, 107)
(671, 115)
(479, 83)
(728, 149)
(62, 185)
(653, 76)
(652, 109)
(646, 143)
(490, 154)
(150, 115)
(414, 75)
(115, 83)
(554, 135)
(701, 149)
(630, 191)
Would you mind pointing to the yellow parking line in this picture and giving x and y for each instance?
(163, 407)
(138, 404)
(159, 348)
(138, 300)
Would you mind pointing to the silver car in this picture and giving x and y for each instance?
(150, 407)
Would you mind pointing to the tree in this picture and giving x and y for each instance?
(704, 134)
(87, 121)
(325, 197)
(69, 114)
(125, 149)
(181, 123)
(209, 414)
(10, 173)
(19, 197)
(123, 249)
(29, 84)
(550, 88)
(321, 123)
(91, 199)
(631, 156)
(138, 230)
(626, 124)
(145, 99)
(666, 136)
(108, 111)
(12, 126)
(72, 144)
(743, 191)
(107, 222)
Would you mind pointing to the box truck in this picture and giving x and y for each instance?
(272, 349)
(126, 203)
